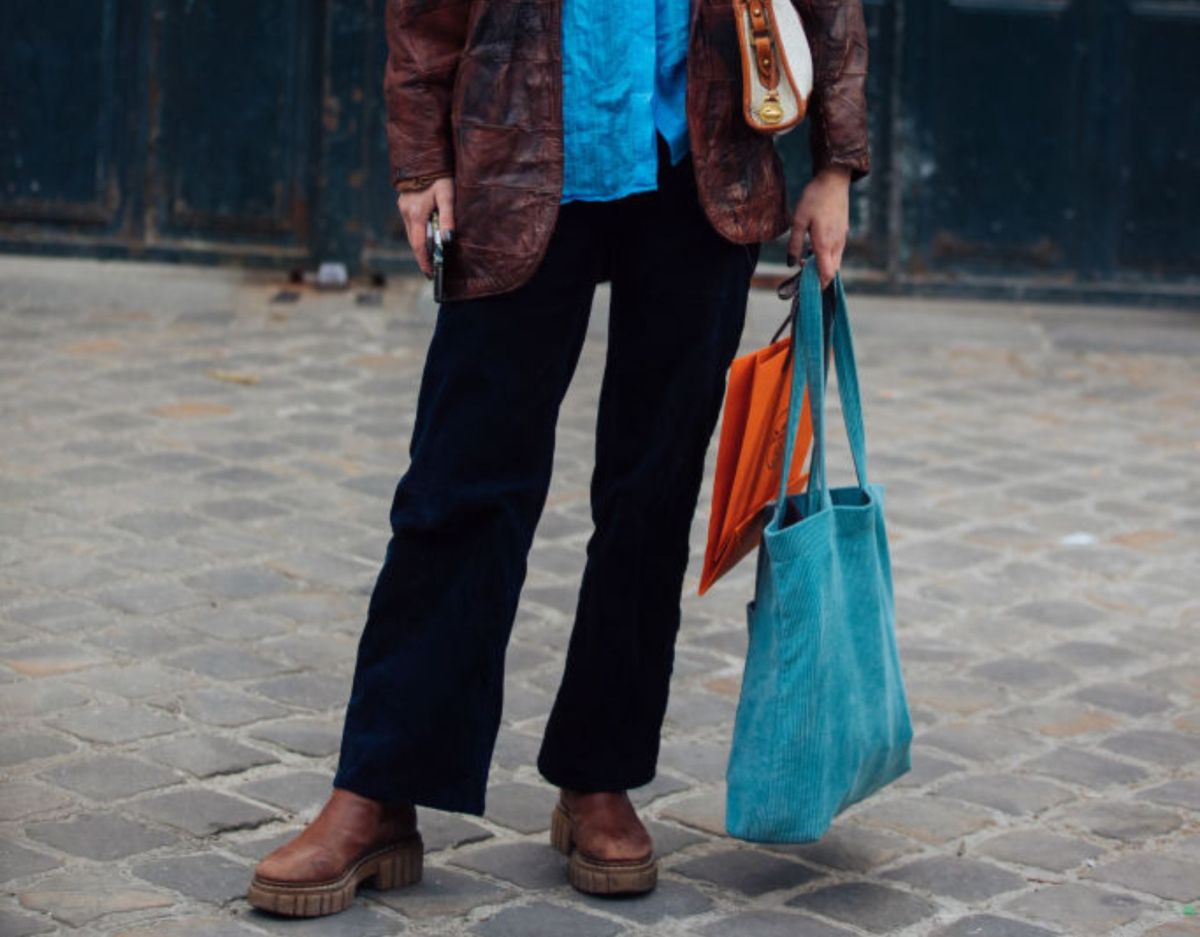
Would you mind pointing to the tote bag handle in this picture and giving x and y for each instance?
(808, 371)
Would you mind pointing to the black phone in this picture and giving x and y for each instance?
(433, 250)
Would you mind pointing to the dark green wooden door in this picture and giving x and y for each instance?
(1019, 146)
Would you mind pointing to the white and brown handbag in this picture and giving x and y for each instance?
(777, 67)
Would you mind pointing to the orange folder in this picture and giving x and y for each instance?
(746, 481)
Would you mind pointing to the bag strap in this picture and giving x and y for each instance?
(809, 373)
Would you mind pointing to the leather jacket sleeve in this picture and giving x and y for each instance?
(837, 115)
(424, 41)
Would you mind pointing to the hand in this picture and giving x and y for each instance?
(823, 212)
(416, 209)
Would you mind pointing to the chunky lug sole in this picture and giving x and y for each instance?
(600, 876)
(390, 867)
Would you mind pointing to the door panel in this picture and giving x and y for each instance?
(63, 101)
(1159, 115)
(235, 115)
(992, 114)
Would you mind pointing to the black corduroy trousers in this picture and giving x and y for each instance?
(425, 703)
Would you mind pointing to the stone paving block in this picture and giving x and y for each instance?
(991, 925)
(525, 808)
(206, 755)
(528, 865)
(156, 524)
(113, 724)
(79, 896)
(147, 597)
(131, 681)
(967, 880)
(307, 690)
(993, 743)
(99, 836)
(515, 749)
(1004, 792)
(670, 901)
(43, 658)
(38, 697)
(692, 710)
(19, 799)
(850, 848)
(240, 477)
(13, 924)
(1079, 909)
(143, 639)
(925, 769)
(444, 830)
(205, 876)
(1058, 613)
(1123, 699)
(1183, 793)
(876, 908)
(1155, 874)
(237, 623)
(956, 695)
(239, 582)
(1170, 749)
(192, 926)
(26, 747)
(1128, 822)
(702, 760)
(108, 777)
(750, 923)
(669, 838)
(1063, 720)
(16, 861)
(296, 791)
(1092, 654)
(302, 736)
(664, 783)
(1024, 672)
(541, 919)
(1186, 928)
(751, 872)
(225, 706)
(358, 920)
(1041, 849)
(1076, 766)
(201, 812)
(240, 510)
(704, 811)
(225, 662)
(925, 819)
(441, 893)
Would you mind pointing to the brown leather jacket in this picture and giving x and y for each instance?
(473, 90)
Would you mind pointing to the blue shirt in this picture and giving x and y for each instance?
(624, 81)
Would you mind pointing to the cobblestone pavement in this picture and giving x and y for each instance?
(194, 483)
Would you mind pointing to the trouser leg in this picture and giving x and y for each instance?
(426, 698)
(679, 292)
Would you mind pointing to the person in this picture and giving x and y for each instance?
(563, 143)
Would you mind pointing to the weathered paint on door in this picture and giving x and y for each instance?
(1034, 146)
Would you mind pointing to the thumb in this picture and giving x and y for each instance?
(443, 196)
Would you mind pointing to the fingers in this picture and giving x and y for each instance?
(827, 248)
(443, 193)
(415, 209)
(827, 265)
(800, 224)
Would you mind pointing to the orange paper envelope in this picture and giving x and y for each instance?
(746, 480)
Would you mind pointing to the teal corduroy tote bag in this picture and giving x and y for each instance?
(822, 718)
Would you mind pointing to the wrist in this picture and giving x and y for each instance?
(834, 173)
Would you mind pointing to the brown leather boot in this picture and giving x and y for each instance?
(351, 840)
(610, 851)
